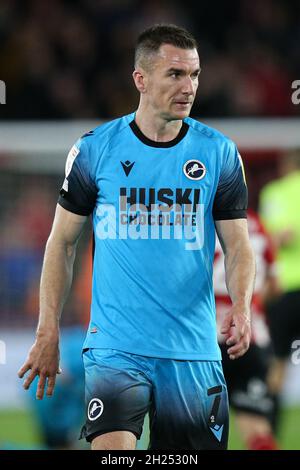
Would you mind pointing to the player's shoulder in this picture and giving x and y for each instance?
(210, 133)
(101, 135)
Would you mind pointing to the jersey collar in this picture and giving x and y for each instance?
(152, 143)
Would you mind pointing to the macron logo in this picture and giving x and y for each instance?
(218, 431)
(127, 167)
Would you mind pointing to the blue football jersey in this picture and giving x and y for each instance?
(154, 205)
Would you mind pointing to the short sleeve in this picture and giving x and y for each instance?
(231, 199)
(79, 192)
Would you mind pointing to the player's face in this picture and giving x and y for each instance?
(173, 81)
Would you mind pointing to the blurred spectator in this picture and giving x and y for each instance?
(26, 212)
(25, 225)
(69, 59)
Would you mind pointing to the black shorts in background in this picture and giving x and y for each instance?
(284, 323)
(246, 381)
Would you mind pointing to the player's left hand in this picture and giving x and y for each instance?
(237, 329)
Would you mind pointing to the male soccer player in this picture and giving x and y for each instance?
(246, 379)
(157, 183)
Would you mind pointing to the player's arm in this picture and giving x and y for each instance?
(230, 216)
(240, 274)
(56, 279)
(77, 200)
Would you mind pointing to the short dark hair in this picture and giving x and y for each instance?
(150, 40)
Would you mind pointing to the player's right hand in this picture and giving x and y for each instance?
(42, 360)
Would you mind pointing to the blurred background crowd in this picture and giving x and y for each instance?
(69, 60)
(73, 59)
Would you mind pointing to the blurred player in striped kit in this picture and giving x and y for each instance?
(246, 379)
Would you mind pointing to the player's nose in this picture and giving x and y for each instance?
(187, 86)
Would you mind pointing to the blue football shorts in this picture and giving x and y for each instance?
(186, 400)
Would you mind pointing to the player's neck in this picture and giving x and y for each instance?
(157, 128)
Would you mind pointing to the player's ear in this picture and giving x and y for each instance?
(140, 80)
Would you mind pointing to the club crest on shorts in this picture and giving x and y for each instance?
(95, 409)
(194, 169)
